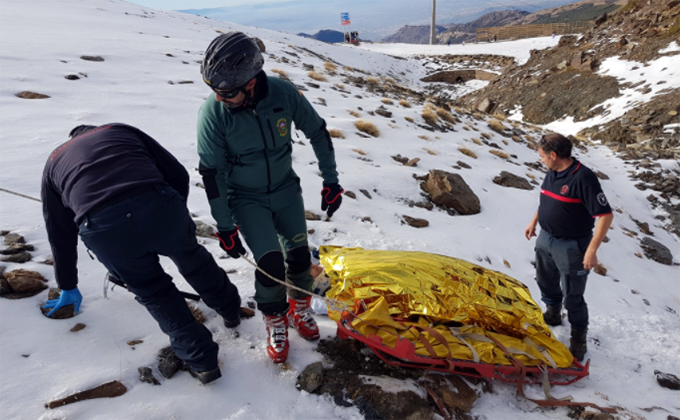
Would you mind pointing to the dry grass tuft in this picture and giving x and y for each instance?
(531, 176)
(486, 135)
(354, 113)
(280, 72)
(505, 142)
(330, 67)
(336, 134)
(359, 151)
(317, 76)
(348, 68)
(424, 137)
(500, 154)
(372, 80)
(387, 101)
(430, 152)
(516, 139)
(466, 128)
(405, 103)
(340, 86)
(446, 116)
(478, 115)
(388, 80)
(477, 141)
(467, 152)
(497, 126)
(367, 127)
(430, 114)
(501, 116)
(409, 119)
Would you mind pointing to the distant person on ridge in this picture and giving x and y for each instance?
(126, 197)
(566, 248)
(245, 149)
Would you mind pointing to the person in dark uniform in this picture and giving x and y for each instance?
(245, 148)
(126, 197)
(566, 248)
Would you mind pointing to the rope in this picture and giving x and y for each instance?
(20, 195)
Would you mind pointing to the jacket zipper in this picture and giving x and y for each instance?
(269, 124)
(264, 152)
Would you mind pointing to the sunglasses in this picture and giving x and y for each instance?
(230, 94)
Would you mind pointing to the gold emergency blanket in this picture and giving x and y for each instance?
(466, 303)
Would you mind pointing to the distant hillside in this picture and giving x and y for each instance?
(575, 12)
(326, 35)
(412, 35)
(467, 31)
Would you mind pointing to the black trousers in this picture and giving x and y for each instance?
(129, 236)
(561, 276)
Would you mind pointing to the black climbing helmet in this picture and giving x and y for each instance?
(230, 61)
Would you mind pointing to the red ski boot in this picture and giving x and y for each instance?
(277, 332)
(300, 318)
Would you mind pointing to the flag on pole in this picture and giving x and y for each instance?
(344, 19)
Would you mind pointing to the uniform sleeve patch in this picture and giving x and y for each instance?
(602, 199)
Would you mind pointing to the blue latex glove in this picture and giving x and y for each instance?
(67, 297)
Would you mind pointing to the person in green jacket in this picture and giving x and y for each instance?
(245, 149)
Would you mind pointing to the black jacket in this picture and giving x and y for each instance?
(90, 170)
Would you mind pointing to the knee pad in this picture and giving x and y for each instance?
(272, 263)
(299, 260)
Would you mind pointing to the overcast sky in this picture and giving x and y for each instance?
(196, 4)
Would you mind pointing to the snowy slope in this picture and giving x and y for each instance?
(42, 43)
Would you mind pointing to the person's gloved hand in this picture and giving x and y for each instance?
(230, 242)
(331, 198)
(67, 297)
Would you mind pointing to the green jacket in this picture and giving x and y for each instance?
(249, 149)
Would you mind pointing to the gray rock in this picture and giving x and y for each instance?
(457, 395)
(366, 193)
(168, 362)
(667, 380)
(451, 192)
(17, 248)
(25, 281)
(20, 257)
(310, 215)
(68, 311)
(78, 327)
(485, 105)
(383, 113)
(14, 238)
(350, 194)
(463, 165)
(311, 378)
(656, 251)
(204, 230)
(146, 375)
(506, 179)
(91, 58)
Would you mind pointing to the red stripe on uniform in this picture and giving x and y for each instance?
(560, 198)
(579, 165)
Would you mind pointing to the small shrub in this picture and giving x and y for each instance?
(424, 137)
(466, 128)
(409, 119)
(372, 80)
(367, 127)
(430, 114)
(531, 176)
(497, 126)
(501, 116)
(330, 67)
(486, 135)
(359, 151)
(467, 152)
(336, 134)
(317, 76)
(516, 139)
(387, 101)
(478, 115)
(446, 115)
(430, 152)
(477, 141)
(348, 68)
(505, 142)
(500, 154)
(388, 80)
(340, 86)
(405, 103)
(354, 113)
(279, 72)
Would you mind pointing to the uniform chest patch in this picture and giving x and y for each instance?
(564, 190)
(282, 125)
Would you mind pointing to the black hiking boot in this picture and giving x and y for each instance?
(553, 315)
(207, 376)
(577, 345)
(233, 323)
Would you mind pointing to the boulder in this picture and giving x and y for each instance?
(458, 395)
(25, 281)
(667, 380)
(415, 222)
(656, 251)
(506, 179)
(311, 378)
(450, 191)
(14, 238)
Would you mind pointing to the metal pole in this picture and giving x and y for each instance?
(433, 29)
